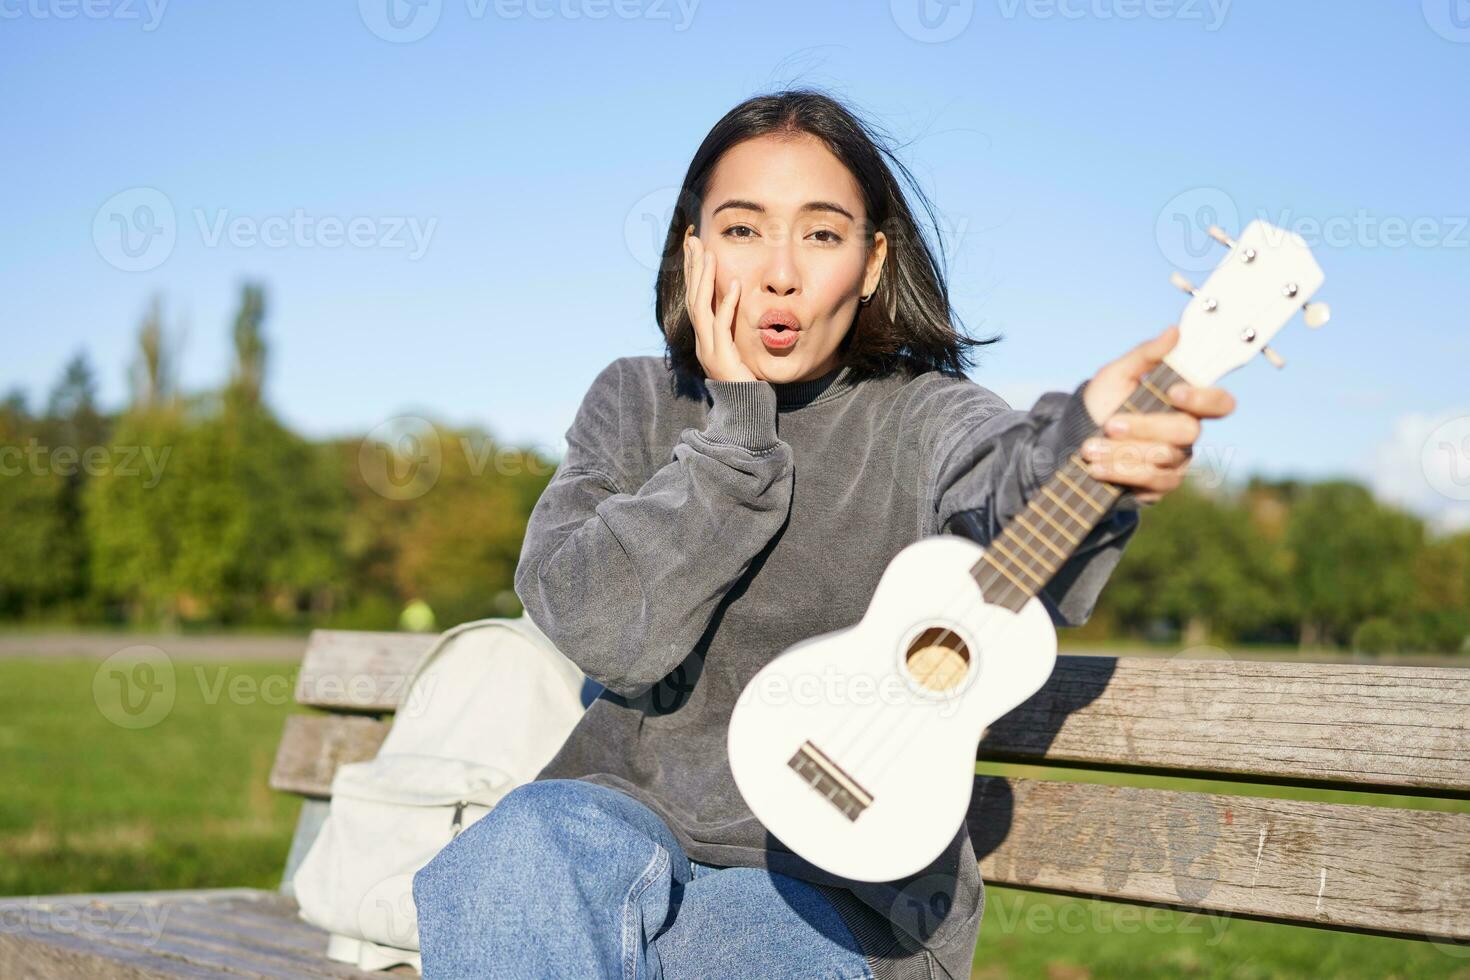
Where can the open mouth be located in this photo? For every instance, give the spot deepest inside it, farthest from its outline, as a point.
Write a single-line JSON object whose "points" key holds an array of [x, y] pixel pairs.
{"points": [[779, 329], [779, 339]]}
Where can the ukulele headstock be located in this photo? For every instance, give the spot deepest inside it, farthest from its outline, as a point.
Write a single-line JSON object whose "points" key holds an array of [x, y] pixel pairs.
{"points": [[1269, 275]]}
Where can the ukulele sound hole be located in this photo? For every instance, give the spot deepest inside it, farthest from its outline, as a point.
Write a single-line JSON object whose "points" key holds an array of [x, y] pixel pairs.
{"points": [[938, 659]]}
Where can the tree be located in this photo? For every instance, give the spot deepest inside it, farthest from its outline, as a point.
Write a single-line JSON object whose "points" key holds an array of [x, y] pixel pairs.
{"points": [[129, 514], [152, 374], [248, 377], [1438, 615], [1351, 558], [74, 431], [1196, 561], [129, 510], [462, 544], [71, 409], [260, 513], [245, 517], [38, 564]]}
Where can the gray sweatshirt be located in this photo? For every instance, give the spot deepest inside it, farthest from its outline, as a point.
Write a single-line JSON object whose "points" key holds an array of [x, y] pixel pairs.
{"points": [[695, 529]]}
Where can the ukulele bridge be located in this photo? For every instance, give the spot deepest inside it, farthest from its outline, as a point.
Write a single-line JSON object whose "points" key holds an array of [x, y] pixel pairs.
{"points": [[829, 779]]}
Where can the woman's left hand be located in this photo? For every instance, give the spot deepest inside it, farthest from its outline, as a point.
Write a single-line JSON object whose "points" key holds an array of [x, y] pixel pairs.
{"points": [[1147, 452]]}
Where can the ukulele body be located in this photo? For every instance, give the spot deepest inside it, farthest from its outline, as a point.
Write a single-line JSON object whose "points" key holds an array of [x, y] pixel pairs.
{"points": [[856, 748]]}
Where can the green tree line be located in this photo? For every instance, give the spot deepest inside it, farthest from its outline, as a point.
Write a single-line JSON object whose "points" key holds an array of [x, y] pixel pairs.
{"points": [[203, 510]]}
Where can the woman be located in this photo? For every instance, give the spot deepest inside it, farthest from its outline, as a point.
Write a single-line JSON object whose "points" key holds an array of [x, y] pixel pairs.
{"points": [[809, 419]]}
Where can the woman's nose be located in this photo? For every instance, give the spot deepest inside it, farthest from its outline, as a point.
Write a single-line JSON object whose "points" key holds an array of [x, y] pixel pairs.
{"points": [[781, 278]]}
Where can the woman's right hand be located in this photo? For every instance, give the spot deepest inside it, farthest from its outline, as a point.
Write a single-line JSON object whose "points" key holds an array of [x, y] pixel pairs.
{"points": [[714, 340]]}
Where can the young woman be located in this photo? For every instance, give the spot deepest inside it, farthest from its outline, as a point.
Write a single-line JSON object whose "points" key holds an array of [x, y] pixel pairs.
{"points": [[810, 418]]}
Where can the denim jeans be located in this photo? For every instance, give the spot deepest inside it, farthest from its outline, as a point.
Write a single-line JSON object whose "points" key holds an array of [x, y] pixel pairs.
{"points": [[568, 878]]}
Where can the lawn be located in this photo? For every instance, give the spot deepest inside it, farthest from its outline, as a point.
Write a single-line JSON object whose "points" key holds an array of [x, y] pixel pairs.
{"points": [[94, 806], [182, 802]]}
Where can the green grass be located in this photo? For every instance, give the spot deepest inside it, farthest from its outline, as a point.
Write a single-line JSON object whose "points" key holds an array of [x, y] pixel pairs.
{"points": [[91, 805]]}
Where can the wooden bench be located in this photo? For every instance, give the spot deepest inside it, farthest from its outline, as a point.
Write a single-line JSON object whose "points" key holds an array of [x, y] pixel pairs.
{"points": [[1377, 869]]}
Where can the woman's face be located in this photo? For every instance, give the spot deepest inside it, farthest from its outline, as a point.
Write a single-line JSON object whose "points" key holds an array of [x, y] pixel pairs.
{"points": [[786, 218]]}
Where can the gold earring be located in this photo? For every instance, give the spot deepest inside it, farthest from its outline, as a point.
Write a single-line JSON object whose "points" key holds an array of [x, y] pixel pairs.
{"points": [[864, 300]]}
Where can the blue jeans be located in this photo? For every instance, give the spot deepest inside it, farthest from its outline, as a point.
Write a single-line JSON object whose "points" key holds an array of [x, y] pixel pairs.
{"points": [[567, 878]]}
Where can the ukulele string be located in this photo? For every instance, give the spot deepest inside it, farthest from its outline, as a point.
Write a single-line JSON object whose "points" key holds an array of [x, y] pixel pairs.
{"points": [[877, 731], [965, 592], [896, 739], [896, 743], [884, 735], [891, 735]]}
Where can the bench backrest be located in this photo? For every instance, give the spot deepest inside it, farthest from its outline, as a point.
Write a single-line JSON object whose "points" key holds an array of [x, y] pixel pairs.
{"points": [[1387, 869]]}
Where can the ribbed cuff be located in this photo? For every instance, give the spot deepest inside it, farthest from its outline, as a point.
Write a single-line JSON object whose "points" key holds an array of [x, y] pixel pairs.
{"points": [[743, 414], [1063, 437]]}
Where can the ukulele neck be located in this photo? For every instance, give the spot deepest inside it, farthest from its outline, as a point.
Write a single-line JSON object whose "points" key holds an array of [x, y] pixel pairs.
{"points": [[1035, 543]]}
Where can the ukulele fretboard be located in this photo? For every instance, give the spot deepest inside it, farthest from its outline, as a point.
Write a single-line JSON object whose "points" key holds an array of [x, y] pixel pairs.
{"points": [[1038, 540]]}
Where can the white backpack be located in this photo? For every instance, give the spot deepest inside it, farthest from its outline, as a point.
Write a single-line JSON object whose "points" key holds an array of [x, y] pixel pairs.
{"points": [[487, 707]]}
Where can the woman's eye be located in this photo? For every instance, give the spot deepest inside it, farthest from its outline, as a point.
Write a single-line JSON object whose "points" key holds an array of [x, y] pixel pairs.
{"points": [[832, 236], [730, 232]]}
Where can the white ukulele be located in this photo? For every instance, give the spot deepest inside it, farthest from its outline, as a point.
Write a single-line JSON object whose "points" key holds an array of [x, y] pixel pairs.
{"points": [[856, 748]]}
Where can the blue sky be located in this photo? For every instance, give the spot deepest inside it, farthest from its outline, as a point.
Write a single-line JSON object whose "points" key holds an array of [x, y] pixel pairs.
{"points": [[450, 202]]}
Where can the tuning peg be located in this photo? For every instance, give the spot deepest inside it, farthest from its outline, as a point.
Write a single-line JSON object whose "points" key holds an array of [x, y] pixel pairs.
{"points": [[1218, 234], [1316, 314], [1277, 361], [1179, 282]]}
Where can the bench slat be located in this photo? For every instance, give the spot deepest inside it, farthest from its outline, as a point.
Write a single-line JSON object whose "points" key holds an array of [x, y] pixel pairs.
{"points": [[313, 746], [358, 670], [209, 933], [1367, 725], [1363, 724], [1377, 869], [67, 956]]}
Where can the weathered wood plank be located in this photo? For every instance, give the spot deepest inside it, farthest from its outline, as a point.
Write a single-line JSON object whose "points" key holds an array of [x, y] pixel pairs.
{"points": [[1362, 724], [1390, 727], [209, 933], [1381, 869], [313, 746], [1390, 870], [67, 956], [358, 670]]}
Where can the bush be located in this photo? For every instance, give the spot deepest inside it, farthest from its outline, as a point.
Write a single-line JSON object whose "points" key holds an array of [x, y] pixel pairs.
{"points": [[1376, 635]]}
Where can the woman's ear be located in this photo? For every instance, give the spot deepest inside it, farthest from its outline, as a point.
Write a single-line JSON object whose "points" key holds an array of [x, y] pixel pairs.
{"points": [[876, 256]]}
